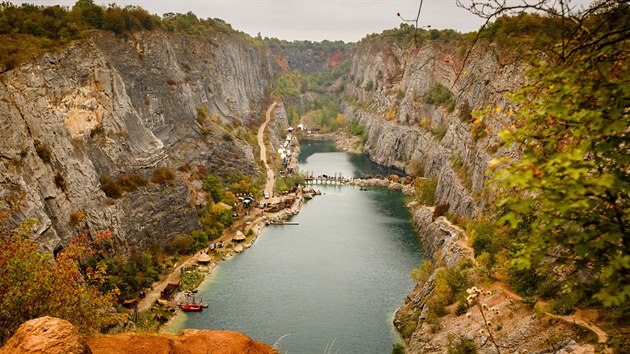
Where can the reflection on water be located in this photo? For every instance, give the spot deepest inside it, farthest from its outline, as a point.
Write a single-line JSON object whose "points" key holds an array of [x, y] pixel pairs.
{"points": [[321, 157]]}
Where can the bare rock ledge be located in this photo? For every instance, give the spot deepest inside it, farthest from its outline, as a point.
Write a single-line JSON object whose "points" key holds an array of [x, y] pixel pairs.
{"points": [[53, 335]]}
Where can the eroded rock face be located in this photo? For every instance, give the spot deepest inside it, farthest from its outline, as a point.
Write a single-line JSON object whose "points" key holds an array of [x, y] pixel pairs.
{"points": [[387, 84], [52, 335], [112, 105], [48, 335]]}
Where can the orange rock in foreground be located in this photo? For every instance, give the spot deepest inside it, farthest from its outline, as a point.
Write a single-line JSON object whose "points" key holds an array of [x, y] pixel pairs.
{"points": [[53, 335]]}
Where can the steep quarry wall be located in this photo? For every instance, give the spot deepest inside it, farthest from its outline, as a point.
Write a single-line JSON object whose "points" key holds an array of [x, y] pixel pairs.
{"points": [[111, 105], [308, 58], [385, 94], [388, 93]]}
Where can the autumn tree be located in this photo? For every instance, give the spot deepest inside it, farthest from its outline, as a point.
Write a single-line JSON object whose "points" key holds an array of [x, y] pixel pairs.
{"points": [[567, 196], [215, 218], [34, 284]]}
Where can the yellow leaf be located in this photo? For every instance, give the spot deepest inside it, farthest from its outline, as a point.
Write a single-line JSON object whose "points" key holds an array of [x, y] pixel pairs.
{"points": [[510, 111], [498, 109]]}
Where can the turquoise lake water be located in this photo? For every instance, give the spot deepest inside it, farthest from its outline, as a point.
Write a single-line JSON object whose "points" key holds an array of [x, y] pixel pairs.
{"points": [[335, 280]]}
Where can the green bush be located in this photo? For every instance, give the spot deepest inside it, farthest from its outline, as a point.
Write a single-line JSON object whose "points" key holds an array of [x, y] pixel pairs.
{"points": [[460, 345], [462, 171], [369, 86], [434, 320], [438, 131], [215, 219], [181, 244], [290, 182], [525, 281], [456, 279], [422, 273], [425, 190], [564, 305], [409, 326], [398, 349], [227, 136], [357, 129], [214, 186], [240, 183], [438, 95], [198, 240], [461, 308], [529, 302]]}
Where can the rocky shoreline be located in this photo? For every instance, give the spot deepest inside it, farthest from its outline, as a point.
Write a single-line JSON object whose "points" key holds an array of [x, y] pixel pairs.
{"points": [[406, 189]]}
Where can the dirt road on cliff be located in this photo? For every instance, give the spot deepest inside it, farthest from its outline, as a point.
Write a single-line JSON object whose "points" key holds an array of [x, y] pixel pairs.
{"points": [[263, 150], [154, 294]]}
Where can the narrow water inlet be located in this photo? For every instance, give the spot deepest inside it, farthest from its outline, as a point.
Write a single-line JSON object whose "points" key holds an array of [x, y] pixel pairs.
{"points": [[338, 275]]}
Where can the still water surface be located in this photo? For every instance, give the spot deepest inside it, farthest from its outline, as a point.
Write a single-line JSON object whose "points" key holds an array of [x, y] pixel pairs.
{"points": [[334, 279]]}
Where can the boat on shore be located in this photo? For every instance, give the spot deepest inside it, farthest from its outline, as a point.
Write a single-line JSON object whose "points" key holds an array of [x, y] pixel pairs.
{"points": [[191, 307]]}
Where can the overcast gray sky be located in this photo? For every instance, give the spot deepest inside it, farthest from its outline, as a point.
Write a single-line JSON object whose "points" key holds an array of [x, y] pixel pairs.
{"points": [[316, 20]]}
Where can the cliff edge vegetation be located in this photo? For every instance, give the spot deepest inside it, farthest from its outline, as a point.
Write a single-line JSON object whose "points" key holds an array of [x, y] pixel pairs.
{"points": [[553, 204]]}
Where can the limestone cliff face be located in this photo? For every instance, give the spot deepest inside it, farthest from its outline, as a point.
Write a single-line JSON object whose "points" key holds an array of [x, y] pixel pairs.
{"points": [[111, 105], [308, 58], [386, 94], [386, 88]]}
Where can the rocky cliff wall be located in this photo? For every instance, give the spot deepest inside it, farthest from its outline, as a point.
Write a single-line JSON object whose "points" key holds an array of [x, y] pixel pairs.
{"points": [[385, 94], [514, 326], [111, 105], [309, 58]]}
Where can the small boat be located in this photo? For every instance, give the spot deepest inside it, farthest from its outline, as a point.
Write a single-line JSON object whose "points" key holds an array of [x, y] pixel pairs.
{"points": [[191, 307]]}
